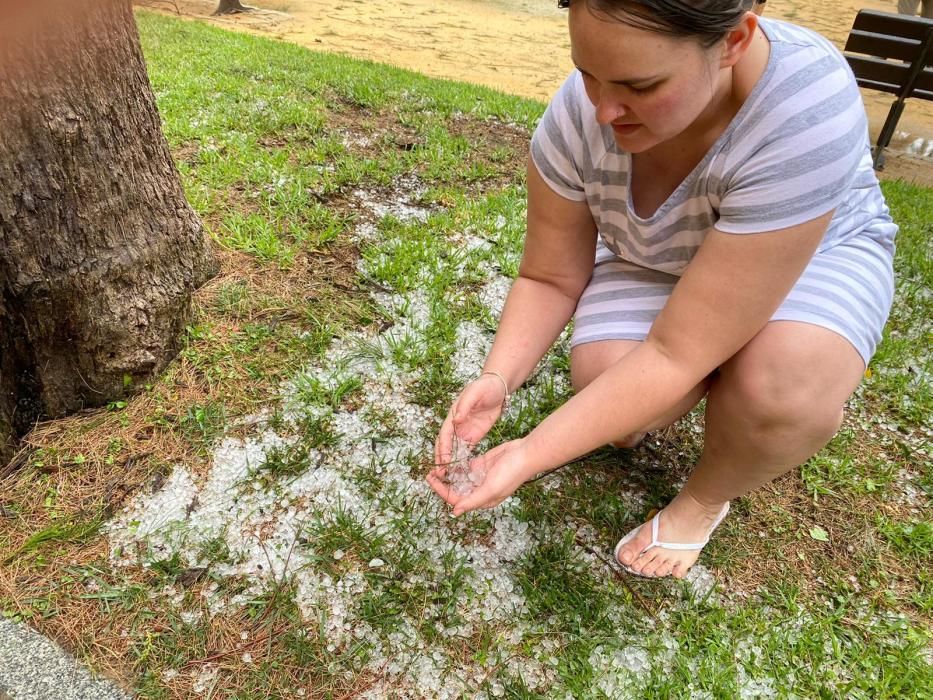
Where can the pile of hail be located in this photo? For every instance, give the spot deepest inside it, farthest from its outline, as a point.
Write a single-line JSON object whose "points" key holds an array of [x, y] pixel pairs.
{"points": [[464, 473]]}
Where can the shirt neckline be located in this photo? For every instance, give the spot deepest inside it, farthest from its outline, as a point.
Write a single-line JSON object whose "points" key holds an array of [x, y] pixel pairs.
{"points": [[740, 115]]}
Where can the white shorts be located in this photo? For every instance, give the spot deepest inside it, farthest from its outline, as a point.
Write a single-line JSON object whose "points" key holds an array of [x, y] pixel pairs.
{"points": [[847, 289]]}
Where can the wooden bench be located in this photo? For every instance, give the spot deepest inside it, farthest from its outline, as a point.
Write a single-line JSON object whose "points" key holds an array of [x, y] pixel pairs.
{"points": [[892, 53]]}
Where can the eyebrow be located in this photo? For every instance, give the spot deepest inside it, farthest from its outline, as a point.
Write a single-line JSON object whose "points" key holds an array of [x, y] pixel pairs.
{"points": [[628, 83]]}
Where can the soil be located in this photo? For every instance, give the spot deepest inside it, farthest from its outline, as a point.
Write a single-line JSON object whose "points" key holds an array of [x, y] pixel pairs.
{"points": [[521, 47]]}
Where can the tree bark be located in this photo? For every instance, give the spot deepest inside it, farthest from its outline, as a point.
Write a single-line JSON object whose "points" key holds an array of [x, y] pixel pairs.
{"points": [[229, 7], [99, 250]]}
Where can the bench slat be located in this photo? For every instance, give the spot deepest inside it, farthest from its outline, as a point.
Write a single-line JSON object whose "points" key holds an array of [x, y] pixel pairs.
{"points": [[881, 87], [878, 70], [883, 46], [918, 93], [887, 23], [877, 74]]}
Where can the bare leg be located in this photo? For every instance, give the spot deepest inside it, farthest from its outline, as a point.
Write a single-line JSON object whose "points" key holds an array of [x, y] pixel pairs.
{"points": [[773, 405], [589, 360]]}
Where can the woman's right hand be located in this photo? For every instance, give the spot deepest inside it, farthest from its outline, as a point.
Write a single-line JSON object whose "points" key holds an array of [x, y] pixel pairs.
{"points": [[471, 415], [504, 469]]}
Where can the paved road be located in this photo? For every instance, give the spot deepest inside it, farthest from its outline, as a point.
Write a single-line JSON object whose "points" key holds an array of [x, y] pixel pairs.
{"points": [[35, 668]]}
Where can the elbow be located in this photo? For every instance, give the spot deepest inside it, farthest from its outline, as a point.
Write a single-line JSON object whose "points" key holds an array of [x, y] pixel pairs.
{"points": [[677, 361], [567, 286], [662, 345]]}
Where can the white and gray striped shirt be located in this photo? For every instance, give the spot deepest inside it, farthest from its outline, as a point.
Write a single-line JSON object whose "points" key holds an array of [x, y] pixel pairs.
{"points": [[797, 148]]}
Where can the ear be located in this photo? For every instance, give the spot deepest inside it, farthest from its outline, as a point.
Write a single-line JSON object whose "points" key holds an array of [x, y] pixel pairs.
{"points": [[738, 40]]}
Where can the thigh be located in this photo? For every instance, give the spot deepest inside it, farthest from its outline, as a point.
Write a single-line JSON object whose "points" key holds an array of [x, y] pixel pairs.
{"points": [[589, 360], [794, 367], [847, 289], [621, 300], [614, 314]]}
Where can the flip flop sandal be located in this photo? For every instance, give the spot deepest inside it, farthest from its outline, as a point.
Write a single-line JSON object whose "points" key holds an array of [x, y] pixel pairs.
{"points": [[665, 545]]}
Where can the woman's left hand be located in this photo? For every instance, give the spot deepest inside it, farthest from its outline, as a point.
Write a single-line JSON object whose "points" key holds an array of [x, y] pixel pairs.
{"points": [[506, 468]]}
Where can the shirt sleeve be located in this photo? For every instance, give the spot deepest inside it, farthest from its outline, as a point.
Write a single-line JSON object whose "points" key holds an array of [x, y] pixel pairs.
{"points": [[558, 142], [805, 149]]}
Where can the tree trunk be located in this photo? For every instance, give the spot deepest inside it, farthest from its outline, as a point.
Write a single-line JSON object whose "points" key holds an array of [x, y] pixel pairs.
{"points": [[99, 251], [229, 7]]}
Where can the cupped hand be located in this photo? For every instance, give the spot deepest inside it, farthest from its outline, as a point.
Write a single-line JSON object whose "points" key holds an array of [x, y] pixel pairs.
{"points": [[505, 467], [471, 416]]}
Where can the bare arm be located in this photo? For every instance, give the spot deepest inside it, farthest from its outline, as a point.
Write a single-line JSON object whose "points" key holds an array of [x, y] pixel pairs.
{"points": [[557, 262], [730, 290], [556, 265]]}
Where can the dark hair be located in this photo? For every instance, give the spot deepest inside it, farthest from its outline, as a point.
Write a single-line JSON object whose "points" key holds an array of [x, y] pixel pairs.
{"points": [[706, 21]]}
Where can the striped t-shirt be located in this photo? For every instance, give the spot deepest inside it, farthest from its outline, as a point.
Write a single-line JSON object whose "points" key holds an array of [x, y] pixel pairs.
{"points": [[797, 148]]}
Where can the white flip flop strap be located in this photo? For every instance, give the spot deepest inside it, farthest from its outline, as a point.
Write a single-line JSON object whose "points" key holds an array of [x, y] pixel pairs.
{"points": [[655, 542], [677, 545]]}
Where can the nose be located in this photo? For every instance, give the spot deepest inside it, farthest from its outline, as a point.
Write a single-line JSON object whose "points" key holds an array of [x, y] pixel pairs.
{"points": [[608, 109]]}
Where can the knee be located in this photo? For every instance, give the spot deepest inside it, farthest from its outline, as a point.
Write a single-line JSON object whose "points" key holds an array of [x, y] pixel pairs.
{"points": [[589, 360], [774, 398]]}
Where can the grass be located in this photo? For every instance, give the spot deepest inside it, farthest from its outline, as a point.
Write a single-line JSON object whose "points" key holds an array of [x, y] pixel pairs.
{"points": [[367, 221]]}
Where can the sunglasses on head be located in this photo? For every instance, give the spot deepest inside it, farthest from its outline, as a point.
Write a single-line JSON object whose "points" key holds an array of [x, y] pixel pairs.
{"points": [[563, 3]]}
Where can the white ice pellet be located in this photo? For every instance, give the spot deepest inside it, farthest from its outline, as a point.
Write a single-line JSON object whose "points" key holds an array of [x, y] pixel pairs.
{"points": [[189, 617], [262, 518], [463, 473], [472, 347], [701, 580], [620, 673], [204, 678], [493, 294]]}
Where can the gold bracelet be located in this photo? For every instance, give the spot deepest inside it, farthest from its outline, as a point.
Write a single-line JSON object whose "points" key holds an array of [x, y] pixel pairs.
{"points": [[507, 401]]}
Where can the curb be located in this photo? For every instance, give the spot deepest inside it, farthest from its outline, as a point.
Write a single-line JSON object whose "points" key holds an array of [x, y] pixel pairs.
{"points": [[33, 667]]}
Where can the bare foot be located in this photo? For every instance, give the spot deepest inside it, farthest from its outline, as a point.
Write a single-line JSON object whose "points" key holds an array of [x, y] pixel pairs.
{"points": [[685, 521]]}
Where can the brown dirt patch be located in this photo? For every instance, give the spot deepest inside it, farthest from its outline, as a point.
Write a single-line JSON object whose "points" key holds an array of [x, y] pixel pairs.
{"points": [[496, 149], [72, 474]]}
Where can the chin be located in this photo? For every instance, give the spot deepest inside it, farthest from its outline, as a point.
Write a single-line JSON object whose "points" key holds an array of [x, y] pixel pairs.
{"points": [[636, 145]]}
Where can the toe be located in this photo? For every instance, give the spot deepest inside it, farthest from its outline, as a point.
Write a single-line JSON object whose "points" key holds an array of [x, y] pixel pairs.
{"points": [[651, 568], [645, 561], [657, 566], [686, 565], [627, 554], [635, 546]]}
